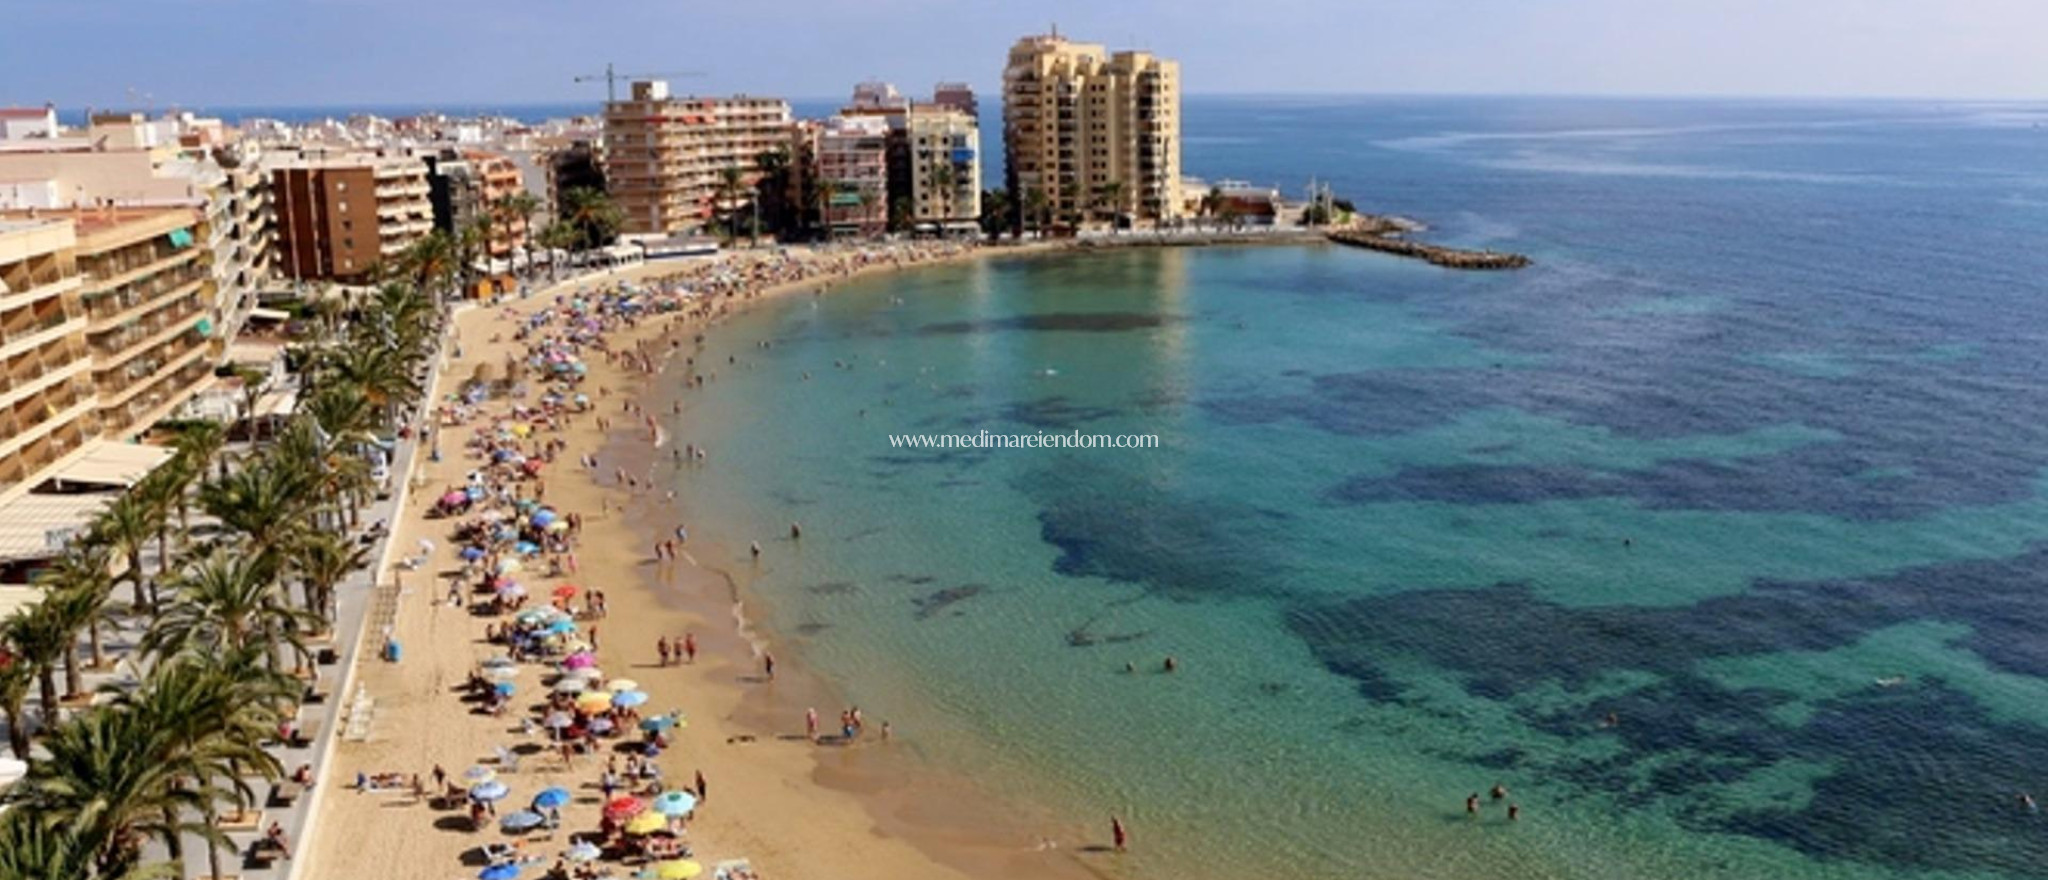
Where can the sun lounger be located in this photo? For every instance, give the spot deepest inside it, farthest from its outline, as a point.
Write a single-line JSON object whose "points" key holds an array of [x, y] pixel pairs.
{"points": [[286, 792], [305, 733]]}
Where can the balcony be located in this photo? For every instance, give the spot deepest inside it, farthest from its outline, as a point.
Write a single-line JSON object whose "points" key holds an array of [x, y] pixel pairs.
{"points": [[33, 370], [119, 346], [176, 382], [133, 299], [35, 452], [32, 327]]}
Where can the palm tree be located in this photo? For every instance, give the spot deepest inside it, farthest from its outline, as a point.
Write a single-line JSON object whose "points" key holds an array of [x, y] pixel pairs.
{"points": [[228, 602], [126, 526], [17, 678], [382, 372], [115, 778], [823, 194], [732, 184], [995, 212], [592, 214], [201, 443], [1111, 194], [558, 237], [944, 179], [1038, 207], [1213, 202], [322, 561], [162, 493], [254, 383], [41, 639], [79, 585], [264, 502], [33, 848], [516, 212]]}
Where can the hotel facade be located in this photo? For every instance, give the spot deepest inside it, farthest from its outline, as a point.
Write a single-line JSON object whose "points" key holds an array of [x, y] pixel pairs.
{"points": [[340, 219], [664, 154], [1097, 135]]}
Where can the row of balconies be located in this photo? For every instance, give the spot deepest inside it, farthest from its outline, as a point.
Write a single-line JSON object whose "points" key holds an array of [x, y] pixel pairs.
{"points": [[43, 363], [31, 325], [26, 459], [131, 373], [122, 302], [38, 409], [176, 382], [115, 346], [109, 267], [41, 270]]}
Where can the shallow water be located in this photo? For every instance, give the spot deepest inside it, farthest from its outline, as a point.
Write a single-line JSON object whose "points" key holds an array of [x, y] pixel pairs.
{"points": [[1761, 428]]}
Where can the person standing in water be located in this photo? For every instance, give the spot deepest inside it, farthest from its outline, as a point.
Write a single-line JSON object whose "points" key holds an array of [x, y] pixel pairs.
{"points": [[1120, 834], [768, 665]]}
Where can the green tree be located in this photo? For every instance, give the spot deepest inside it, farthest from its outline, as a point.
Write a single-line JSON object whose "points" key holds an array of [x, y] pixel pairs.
{"points": [[592, 214], [995, 212]]}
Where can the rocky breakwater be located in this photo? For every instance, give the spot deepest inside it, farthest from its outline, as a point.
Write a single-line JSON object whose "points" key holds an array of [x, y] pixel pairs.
{"points": [[1386, 236]]}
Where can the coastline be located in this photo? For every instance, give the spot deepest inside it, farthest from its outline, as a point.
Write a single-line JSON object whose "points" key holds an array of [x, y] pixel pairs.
{"points": [[798, 809]]}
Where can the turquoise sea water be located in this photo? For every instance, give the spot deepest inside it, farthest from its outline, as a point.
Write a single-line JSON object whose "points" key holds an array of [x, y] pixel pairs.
{"points": [[1751, 460]]}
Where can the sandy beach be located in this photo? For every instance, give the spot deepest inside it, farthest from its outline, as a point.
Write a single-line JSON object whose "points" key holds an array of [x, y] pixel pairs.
{"points": [[791, 807]]}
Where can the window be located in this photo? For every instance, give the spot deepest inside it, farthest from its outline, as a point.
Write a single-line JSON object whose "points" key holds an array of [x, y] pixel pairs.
{"points": [[348, 243], [341, 186], [347, 225], [341, 206]]}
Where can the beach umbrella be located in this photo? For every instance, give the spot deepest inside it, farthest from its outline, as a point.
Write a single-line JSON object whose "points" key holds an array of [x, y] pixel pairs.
{"points": [[629, 699], [646, 823], [509, 566], [624, 807], [659, 723], [560, 627], [584, 851], [542, 517], [678, 869], [584, 674], [501, 674], [524, 820], [600, 725], [501, 662], [489, 791], [472, 554], [594, 702], [623, 684], [526, 548], [506, 871], [479, 774], [531, 466], [558, 526], [579, 660], [541, 614], [504, 689], [548, 798], [558, 720], [565, 591], [675, 803], [453, 498], [575, 645], [571, 686], [511, 589]]}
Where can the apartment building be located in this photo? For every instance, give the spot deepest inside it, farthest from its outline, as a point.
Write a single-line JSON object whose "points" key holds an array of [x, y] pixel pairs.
{"points": [[148, 295], [665, 155], [27, 123], [853, 159], [1096, 135], [46, 392], [944, 166], [340, 219]]}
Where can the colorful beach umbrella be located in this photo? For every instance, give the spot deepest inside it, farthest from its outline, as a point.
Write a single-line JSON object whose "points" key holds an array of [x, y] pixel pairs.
{"points": [[571, 686], [560, 627], [501, 661], [630, 699], [624, 807], [601, 725], [646, 823], [584, 851], [479, 774], [509, 566], [622, 684], [659, 723], [506, 871], [559, 720], [675, 803], [549, 798], [565, 591], [580, 660], [678, 869], [594, 702], [472, 553], [524, 820], [489, 791], [584, 674], [504, 688], [511, 590]]}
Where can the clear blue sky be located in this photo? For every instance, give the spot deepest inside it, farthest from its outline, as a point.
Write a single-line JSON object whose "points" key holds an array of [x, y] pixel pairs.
{"points": [[214, 53]]}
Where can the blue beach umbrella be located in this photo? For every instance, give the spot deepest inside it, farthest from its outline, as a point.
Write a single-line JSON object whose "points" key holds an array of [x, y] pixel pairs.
{"points": [[658, 722], [472, 553], [542, 517], [505, 871], [561, 627], [674, 803], [629, 699], [527, 548], [489, 791], [550, 798], [504, 689], [524, 820]]}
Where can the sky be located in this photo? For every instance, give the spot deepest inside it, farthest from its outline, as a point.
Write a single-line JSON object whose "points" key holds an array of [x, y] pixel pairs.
{"points": [[200, 54]]}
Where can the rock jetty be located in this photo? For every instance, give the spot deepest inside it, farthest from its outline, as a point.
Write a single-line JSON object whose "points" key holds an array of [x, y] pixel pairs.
{"points": [[1384, 235]]}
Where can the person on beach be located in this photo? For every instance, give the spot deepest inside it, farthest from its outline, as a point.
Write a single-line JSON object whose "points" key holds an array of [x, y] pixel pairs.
{"points": [[768, 665], [690, 647], [811, 724], [1514, 812], [1499, 791], [661, 647], [1472, 804], [1119, 834]]}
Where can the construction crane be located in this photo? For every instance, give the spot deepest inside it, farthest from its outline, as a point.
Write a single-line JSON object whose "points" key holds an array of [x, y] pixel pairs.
{"points": [[611, 79]]}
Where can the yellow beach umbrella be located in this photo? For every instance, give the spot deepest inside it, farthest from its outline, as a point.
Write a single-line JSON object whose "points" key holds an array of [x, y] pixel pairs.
{"points": [[595, 701], [623, 684], [679, 869], [646, 823]]}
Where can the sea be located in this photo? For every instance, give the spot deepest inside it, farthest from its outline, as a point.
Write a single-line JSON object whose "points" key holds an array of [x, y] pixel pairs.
{"points": [[1718, 537]]}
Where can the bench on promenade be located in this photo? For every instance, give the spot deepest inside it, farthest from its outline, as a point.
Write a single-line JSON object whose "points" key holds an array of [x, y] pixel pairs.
{"points": [[286, 792]]}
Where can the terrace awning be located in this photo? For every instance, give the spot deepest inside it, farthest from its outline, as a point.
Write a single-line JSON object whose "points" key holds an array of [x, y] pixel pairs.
{"points": [[114, 464], [39, 526]]}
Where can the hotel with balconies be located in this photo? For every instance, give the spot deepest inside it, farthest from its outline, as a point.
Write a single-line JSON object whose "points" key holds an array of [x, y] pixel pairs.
{"points": [[664, 154], [1097, 135], [341, 219], [46, 391], [148, 299]]}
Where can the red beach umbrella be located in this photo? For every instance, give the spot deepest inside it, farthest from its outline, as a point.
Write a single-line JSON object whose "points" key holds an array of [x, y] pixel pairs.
{"points": [[624, 807]]}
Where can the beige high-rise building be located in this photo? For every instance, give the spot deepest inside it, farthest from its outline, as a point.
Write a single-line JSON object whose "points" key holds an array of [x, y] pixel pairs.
{"points": [[46, 396], [665, 155], [945, 167], [1098, 135]]}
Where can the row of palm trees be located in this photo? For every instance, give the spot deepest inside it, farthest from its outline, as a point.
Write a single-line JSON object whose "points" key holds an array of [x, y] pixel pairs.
{"points": [[224, 620]]}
